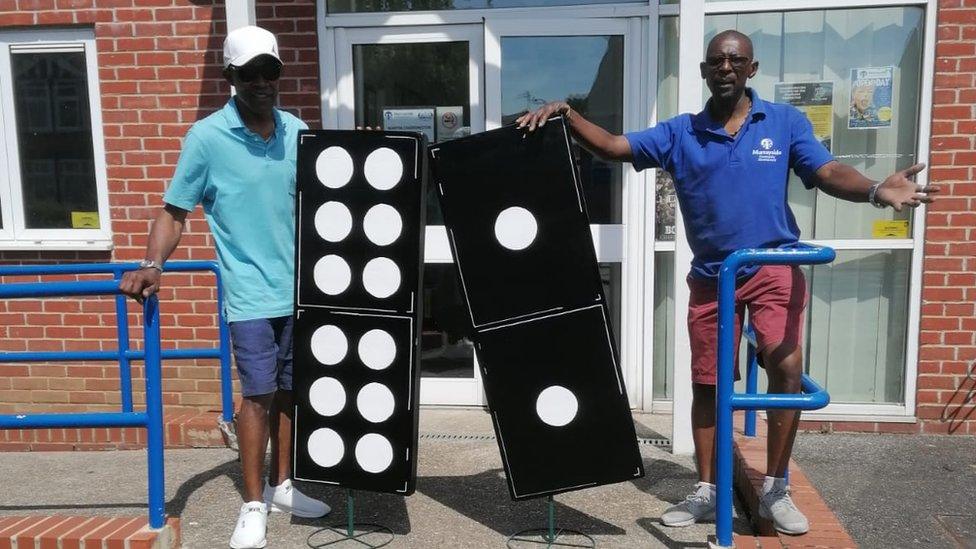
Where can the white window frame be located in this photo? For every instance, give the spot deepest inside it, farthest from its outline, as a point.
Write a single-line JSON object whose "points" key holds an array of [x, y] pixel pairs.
{"points": [[690, 91], [15, 235]]}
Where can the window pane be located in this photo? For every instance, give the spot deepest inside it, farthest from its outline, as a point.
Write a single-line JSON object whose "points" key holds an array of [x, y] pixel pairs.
{"points": [[585, 71], [431, 74], [826, 46], [349, 6], [858, 318], [667, 107], [858, 315], [611, 273], [54, 135], [663, 325]]}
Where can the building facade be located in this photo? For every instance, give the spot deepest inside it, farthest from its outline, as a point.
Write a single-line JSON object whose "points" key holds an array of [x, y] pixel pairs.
{"points": [[95, 96]]}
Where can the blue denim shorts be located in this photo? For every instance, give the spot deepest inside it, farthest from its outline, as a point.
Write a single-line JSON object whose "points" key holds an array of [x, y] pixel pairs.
{"points": [[262, 350]]}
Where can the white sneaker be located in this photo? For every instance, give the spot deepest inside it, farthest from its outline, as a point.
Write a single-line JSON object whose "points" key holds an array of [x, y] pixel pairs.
{"points": [[697, 507], [252, 525], [285, 498], [778, 506]]}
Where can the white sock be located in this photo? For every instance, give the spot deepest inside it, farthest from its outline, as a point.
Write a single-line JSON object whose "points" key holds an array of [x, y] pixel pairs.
{"points": [[711, 488], [773, 482]]}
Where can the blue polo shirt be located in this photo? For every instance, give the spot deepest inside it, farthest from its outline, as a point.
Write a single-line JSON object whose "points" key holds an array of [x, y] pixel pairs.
{"points": [[732, 191], [247, 188]]}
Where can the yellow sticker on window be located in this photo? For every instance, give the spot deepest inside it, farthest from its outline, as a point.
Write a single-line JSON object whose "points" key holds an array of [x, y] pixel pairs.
{"points": [[890, 229], [84, 220]]}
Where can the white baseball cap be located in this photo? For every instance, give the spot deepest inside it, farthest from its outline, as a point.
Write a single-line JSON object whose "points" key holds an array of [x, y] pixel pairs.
{"points": [[246, 43]]}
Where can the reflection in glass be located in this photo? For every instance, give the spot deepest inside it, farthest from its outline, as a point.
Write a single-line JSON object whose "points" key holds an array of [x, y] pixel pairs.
{"points": [[813, 46], [426, 74], [611, 274], [54, 136], [350, 6], [585, 71], [446, 348], [667, 107], [663, 325]]}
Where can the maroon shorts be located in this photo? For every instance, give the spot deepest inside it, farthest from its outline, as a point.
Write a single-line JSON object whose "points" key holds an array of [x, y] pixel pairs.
{"points": [[775, 296]]}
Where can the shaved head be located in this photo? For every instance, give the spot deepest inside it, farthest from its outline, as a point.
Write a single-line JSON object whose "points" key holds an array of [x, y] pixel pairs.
{"points": [[716, 45]]}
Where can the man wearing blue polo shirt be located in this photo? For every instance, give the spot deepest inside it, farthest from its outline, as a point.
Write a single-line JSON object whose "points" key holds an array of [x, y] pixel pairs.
{"points": [[730, 164], [239, 163]]}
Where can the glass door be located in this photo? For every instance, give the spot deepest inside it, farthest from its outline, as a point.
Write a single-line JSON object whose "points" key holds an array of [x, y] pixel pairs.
{"points": [[424, 79], [593, 64]]}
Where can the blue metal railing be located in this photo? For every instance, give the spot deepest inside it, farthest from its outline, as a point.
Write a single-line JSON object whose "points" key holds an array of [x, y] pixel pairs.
{"points": [[812, 396], [124, 355], [151, 419]]}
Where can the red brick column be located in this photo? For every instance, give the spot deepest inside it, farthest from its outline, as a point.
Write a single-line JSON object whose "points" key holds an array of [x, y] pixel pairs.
{"points": [[947, 356]]}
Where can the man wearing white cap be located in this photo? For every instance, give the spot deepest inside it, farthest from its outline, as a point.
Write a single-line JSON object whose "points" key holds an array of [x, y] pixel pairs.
{"points": [[239, 163]]}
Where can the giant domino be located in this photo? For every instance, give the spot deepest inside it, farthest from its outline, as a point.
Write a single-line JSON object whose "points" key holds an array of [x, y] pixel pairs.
{"points": [[517, 225], [358, 269]]}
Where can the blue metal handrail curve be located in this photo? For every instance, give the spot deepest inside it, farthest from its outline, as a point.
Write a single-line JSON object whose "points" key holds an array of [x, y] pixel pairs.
{"points": [[151, 419], [813, 396], [124, 354]]}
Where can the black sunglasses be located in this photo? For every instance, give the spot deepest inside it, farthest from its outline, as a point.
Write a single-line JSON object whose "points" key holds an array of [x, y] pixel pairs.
{"points": [[738, 62], [270, 71]]}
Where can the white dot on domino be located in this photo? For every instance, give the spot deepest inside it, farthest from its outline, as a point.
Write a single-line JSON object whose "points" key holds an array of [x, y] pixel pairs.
{"points": [[516, 228], [332, 274], [375, 402], [556, 406], [377, 349], [334, 167], [381, 277], [325, 447], [329, 345], [333, 221], [374, 453], [383, 169], [382, 224], [327, 396]]}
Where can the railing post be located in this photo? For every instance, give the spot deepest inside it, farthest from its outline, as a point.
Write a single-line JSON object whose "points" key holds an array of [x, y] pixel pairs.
{"points": [[725, 383], [125, 366], [154, 412], [226, 385]]}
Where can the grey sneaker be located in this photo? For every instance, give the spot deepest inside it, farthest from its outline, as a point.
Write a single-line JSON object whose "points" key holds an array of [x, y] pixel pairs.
{"points": [[697, 507], [778, 506]]}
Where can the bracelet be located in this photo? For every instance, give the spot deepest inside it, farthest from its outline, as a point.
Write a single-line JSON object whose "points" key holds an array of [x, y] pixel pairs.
{"points": [[872, 196]]}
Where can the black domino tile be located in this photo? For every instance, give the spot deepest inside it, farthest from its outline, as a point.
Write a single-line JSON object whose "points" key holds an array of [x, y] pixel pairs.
{"points": [[575, 351], [400, 429], [479, 176], [407, 198]]}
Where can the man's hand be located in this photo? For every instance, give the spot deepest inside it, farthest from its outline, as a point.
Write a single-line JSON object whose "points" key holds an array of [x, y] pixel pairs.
{"points": [[537, 118], [140, 284], [900, 190]]}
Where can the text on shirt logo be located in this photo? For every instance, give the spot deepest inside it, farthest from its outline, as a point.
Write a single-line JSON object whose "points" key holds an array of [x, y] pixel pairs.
{"points": [[767, 153]]}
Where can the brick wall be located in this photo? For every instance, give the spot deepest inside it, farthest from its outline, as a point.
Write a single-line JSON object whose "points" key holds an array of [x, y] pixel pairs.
{"points": [[160, 70], [947, 358]]}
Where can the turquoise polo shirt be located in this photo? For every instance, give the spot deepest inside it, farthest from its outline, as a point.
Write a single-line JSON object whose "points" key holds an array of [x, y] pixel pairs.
{"points": [[247, 188], [732, 190]]}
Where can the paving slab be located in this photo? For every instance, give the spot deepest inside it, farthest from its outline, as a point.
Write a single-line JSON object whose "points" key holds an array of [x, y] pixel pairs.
{"points": [[461, 499], [896, 490]]}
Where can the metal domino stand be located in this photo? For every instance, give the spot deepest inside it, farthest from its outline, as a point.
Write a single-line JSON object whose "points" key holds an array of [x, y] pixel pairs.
{"points": [[352, 531], [550, 535]]}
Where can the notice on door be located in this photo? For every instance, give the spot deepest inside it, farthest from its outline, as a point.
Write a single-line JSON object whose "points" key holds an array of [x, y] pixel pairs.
{"points": [[816, 101], [890, 229], [419, 119]]}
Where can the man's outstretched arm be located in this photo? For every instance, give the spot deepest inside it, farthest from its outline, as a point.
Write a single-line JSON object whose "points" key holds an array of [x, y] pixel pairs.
{"points": [[898, 190], [594, 138]]}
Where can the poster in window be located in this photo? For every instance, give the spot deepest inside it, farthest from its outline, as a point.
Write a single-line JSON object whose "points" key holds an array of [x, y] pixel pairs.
{"points": [[416, 119], [816, 101], [871, 98]]}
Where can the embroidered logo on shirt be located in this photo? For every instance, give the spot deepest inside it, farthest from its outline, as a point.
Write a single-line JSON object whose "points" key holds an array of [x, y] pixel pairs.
{"points": [[766, 153]]}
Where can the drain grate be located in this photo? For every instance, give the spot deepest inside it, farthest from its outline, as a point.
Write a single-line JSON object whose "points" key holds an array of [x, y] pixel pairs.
{"points": [[659, 442]]}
